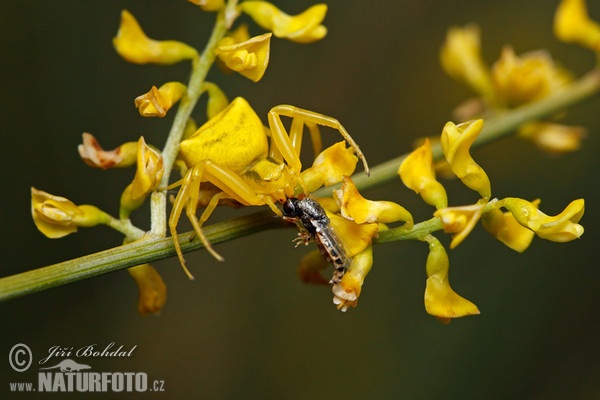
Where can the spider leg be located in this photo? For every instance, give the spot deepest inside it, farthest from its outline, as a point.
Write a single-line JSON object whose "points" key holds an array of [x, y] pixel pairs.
{"points": [[309, 118]]}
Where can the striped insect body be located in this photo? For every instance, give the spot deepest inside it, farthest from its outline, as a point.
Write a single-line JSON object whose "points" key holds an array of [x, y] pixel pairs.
{"points": [[314, 224]]}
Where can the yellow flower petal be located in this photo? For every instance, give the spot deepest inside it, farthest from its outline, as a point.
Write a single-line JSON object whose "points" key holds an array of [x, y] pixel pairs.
{"points": [[563, 227], [217, 100], [330, 166], [418, 174], [440, 300], [461, 59], [456, 143], [249, 58], [522, 79], [158, 101], [354, 237], [460, 220], [148, 174], [573, 25], [152, 289], [209, 5], [311, 266], [149, 170], [355, 207], [553, 138], [302, 28], [95, 156], [134, 46], [56, 216], [346, 293], [504, 227]]}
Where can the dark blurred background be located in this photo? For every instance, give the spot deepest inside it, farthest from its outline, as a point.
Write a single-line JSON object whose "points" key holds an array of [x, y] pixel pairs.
{"points": [[248, 328]]}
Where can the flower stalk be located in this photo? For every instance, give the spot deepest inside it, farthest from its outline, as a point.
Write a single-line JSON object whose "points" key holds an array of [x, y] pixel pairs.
{"points": [[200, 67]]}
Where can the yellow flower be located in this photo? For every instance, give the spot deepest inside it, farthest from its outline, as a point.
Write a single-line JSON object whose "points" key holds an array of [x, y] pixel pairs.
{"points": [[355, 237], [209, 5], [310, 267], [553, 138], [158, 101], [440, 300], [355, 207], [460, 220], [249, 58], [417, 173], [217, 100], [346, 293], [456, 143], [530, 77], [57, 216], [563, 227], [134, 46], [149, 171], [302, 28], [573, 25], [330, 166], [461, 59], [152, 289], [93, 155], [504, 227]]}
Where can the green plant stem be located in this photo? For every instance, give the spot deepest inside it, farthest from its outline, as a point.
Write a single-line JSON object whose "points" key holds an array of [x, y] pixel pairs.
{"points": [[417, 232], [125, 226], [131, 254], [200, 68], [152, 248]]}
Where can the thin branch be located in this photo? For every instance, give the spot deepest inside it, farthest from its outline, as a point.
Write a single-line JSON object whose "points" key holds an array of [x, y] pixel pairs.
{"points": [[129, 255]]}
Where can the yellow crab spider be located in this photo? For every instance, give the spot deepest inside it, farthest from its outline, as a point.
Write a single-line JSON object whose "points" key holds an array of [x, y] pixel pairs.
{"points": [[246, 162]]}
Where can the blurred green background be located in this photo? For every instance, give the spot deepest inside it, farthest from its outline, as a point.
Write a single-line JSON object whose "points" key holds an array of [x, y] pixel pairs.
{"points": [[248, 328]]}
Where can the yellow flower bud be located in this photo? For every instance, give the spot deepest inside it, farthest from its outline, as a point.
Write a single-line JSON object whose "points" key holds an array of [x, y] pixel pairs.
{"points": [[93, 155], [355, 207], [310, 268], [249, 58], [456, 143], [330, 166], [158, 101], [134, 46], [563, 227], [346, 293], [209, 5], [504, 227], [530, 77], [460, 220], [573, 25], [152, 289], [149, 171], [57, 216], [302, 28], [417, 173], [239, 35], [440, 300], [217, 100], [461, 59], [553, 138]]}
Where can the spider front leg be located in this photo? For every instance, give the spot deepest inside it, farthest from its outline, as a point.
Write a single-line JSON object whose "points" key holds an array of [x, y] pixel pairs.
{"points": [[289, 145], [232, 186]]}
